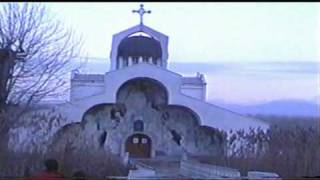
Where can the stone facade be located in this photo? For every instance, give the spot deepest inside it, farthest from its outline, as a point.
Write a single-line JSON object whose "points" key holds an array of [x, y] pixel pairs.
{"points": [[172, 129], [141, 107]]}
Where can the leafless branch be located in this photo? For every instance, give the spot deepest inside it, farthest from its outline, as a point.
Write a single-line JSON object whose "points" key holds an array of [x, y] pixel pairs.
{"points": [[36, 54]]}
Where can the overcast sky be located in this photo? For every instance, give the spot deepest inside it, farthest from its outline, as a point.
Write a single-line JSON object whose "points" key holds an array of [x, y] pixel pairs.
{"points": [[217, 33], [205, 31]]}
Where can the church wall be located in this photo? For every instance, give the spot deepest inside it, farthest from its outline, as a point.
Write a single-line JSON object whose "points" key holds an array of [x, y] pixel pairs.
{"points": [[173, 129], [94, 125], [193, 91], [83, 90], [215, 116], [209, 114]]}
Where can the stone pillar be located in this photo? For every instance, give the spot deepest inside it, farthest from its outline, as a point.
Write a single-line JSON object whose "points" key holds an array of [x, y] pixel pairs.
{"points": [[130, 61], [150, 60], [158, 62], [140, 60]]}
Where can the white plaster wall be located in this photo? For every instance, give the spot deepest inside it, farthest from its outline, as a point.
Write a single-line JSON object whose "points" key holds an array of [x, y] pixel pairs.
{"points": [[193, 91], [113, 81], [83, 90], [209, 114], [214, 116]]}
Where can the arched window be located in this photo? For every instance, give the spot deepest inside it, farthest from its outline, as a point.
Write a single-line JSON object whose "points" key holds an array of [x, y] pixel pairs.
{"points": [[154, 61], [135, 60], [145, 59], [125, 62], [138, 125]]}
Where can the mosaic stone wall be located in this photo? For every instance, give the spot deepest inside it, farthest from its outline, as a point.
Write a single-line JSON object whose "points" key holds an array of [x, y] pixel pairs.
{"points": [[173, 129]]}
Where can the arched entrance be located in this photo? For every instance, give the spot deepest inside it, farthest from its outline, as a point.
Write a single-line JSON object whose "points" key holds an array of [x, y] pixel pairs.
{"points": [[139, 146]]}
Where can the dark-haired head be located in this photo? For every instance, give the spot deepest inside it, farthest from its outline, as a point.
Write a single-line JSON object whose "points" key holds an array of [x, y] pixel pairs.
{"points": [[79, 175], [51, 165]]}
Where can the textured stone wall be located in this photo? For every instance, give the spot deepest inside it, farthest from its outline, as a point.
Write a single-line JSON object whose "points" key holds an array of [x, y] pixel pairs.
{"points": [[33, 131], [173, 129]]}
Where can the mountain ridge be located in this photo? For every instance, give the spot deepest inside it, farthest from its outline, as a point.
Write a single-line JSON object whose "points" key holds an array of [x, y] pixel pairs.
{"points": [[283, 107]]}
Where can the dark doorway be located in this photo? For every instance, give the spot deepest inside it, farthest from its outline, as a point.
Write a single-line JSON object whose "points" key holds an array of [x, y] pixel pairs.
{"points": [[138, 146]]}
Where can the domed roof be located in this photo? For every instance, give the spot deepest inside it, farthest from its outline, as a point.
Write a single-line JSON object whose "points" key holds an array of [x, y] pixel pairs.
{"points": [[137, 46]]}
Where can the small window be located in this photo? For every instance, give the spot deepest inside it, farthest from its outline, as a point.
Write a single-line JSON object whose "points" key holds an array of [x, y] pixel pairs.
{"points": [[144, 141], [135, 60], [135, 140], [138, 125]]}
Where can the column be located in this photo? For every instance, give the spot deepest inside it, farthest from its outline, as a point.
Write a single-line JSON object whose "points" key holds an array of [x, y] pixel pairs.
{"points": [[150, 60], [130, 61], [140, 60]]}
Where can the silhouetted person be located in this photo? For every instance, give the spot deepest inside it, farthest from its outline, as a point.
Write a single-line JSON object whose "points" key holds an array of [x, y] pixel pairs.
{"points": [[51, 172], [79, 175], [26, 173]]}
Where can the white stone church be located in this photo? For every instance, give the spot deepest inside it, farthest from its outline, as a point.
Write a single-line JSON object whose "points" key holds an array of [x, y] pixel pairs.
{"points": [[141, 107]]}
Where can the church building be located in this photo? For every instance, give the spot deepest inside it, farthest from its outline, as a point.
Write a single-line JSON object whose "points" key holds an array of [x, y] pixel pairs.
{"points": [[142, 108]]}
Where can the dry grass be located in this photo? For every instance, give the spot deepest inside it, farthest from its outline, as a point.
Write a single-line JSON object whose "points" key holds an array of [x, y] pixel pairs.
{"points": [[291, 150], [94, 164]]}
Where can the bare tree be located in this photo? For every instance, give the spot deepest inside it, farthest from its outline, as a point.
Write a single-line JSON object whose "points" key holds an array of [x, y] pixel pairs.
{"points": [[36, 52]]}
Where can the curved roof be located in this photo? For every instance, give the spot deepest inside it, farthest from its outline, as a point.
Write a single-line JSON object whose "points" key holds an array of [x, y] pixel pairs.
{"points": [[137, 46]]}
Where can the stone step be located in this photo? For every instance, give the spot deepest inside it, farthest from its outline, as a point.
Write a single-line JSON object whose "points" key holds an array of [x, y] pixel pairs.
{"points": [[163, 167]]}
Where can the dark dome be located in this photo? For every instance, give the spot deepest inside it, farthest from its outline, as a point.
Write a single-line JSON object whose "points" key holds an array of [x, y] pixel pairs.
{"points": [[136, 46]]}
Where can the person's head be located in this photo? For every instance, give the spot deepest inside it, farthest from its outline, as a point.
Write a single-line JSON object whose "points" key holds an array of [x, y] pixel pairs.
{"points": [[51, 165], [79, 175]]}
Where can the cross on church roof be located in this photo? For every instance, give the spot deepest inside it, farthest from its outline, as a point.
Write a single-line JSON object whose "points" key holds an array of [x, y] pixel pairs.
{"points": [[141, 12]]}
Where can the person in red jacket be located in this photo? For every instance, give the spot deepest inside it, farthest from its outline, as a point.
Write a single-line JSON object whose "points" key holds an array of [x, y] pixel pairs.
{"points": [[51, 172]]}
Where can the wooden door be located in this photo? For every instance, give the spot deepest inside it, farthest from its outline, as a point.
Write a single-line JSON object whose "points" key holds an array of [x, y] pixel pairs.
{"points": [[139, 146]]}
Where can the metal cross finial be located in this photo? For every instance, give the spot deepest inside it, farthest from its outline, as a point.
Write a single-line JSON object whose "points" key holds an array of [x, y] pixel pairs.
{"points": [[141, 12]]}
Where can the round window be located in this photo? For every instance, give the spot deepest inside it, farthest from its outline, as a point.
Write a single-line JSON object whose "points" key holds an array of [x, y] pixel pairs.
{"points": [[144, 140], [135, 140]]}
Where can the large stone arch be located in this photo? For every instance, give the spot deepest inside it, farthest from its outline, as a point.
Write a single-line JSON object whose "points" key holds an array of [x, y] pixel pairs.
{"points": [[64, 137], [110, 108], [115, 79], [195, 117], [164, 105], [154, 90], [103, 117]]}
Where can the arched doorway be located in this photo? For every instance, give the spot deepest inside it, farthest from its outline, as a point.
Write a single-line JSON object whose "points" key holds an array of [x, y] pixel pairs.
{"points": [[139, 146]]}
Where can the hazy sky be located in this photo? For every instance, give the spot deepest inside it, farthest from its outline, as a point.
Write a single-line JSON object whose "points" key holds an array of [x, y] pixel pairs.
{"points": [[205, 32], [227, 33]]}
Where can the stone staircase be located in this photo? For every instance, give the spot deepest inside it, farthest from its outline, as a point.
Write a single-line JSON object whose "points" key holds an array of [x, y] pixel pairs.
{"points": [[175, 168], [163, 167]]}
